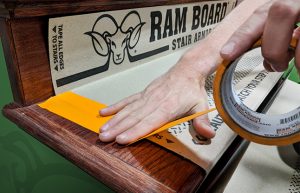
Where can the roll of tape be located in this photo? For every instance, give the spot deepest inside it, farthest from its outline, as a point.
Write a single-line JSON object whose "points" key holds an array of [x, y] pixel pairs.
{"points": [[283, 129]]}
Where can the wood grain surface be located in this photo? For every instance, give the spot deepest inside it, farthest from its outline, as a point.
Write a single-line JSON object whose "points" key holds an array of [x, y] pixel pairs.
{"points": [[141, 167], [34, 8], [26, 53]]}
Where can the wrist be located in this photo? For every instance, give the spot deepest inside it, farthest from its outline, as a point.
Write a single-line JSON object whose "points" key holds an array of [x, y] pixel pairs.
{"points": [[201, 60]]}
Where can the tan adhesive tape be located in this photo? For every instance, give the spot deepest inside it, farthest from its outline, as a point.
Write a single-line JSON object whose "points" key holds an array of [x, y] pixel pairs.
{"points": [[283, 129]]}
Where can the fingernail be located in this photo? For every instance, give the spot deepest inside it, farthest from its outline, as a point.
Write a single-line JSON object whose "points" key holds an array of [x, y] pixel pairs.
{"points": [[103, 111], [104, 128], [210, 130], [228, 48], [121, 138], [274, 69], [104, 135]]}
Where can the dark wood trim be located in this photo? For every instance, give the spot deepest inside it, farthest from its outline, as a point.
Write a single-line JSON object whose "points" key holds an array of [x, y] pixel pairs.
{"points": [[31, 48], [56, 8], [25, 49], [11, 60], [3, 11], [141, 167]]}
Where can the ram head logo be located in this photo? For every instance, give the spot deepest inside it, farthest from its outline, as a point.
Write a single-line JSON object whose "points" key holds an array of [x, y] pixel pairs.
{"points": [[110, 39]]}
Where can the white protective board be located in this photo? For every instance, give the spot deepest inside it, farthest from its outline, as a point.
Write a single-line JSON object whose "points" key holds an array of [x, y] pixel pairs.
{"points": [[84, 48], [273, 169], [110, 55], [182, 139]]}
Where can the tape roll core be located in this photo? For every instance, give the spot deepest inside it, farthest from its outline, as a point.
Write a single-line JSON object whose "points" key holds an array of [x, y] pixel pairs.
{"points": [[283, 129]]}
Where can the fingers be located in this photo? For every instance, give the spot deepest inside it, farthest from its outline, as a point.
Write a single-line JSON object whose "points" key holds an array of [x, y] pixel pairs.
{"points": [[296, 33], [128, 114], [137, 112], [297, 58], [246, 35], [164, 100], [113, 109], [111, 132], [150, 123], [127, 118], [202, 124], [275, 23], [278, 34], [268, 66], [134, 126]]}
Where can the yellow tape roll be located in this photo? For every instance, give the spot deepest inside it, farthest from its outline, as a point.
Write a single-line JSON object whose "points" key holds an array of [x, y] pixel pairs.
{"points": [[281, 129]]}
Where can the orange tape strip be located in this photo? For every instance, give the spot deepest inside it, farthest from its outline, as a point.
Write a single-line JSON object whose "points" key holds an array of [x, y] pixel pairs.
{"points": [[177, 122], [85, 112], [78, 109]]}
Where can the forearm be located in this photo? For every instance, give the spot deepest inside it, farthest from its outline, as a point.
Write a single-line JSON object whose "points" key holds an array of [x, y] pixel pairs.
{"points": [[203, 59]]}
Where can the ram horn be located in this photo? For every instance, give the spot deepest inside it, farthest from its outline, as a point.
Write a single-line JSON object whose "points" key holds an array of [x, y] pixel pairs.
{"points": [[106, 25], [132, 25]]}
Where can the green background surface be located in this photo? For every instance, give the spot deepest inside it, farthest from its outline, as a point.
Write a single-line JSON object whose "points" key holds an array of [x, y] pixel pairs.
{"points": [[294, 76], [28, 166]]}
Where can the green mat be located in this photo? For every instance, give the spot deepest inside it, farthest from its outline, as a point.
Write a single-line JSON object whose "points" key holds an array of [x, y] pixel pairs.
{"points": [[294, 76]]}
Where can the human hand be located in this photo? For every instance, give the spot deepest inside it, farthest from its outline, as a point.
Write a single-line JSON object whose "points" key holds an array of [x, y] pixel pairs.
{"points": [[177, 93], [180, 91], [274, 22]]}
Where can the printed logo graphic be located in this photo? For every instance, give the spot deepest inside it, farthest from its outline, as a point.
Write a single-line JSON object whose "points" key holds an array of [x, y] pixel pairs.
{"points": [[116, 40], [111, 39]]}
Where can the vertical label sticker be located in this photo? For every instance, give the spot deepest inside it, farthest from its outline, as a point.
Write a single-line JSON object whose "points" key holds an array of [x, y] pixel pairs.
{"points": [[57, 47]]}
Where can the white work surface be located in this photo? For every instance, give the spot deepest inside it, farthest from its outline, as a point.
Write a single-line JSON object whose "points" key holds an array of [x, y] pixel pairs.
{"points": [[182, 139], [261, 169]]}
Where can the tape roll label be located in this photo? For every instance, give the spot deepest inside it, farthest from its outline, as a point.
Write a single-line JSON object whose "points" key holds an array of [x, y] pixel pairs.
{"points": [[272, 126]]}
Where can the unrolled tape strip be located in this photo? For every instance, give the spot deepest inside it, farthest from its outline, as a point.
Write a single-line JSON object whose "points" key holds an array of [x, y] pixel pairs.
{"points": [[281, 129], [78, 109], [85, 112]]}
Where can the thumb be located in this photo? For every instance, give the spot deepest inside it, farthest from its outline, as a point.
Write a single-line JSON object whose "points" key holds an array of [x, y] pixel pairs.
{"points": [[202, 123], [245, 36], [296, 33]]}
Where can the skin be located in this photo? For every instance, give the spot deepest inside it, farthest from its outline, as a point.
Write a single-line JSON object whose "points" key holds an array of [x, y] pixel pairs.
{"points": [[275, 19], [181, 91]]}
